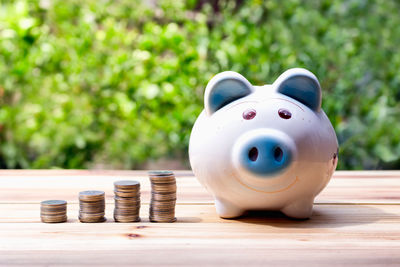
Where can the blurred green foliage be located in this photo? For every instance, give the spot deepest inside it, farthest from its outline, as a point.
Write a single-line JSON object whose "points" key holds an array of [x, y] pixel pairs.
{"points": [[118, 83]]}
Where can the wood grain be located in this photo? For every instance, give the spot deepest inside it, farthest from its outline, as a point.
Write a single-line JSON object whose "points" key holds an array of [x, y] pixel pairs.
{"points": [[345, 187], [356, 222]]}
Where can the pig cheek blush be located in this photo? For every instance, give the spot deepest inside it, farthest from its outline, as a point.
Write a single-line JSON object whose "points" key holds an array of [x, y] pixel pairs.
{"points": [[249, 114], [284, 113]]}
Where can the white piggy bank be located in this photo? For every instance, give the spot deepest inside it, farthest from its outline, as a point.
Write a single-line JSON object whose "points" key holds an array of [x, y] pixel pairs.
{"points": [[265, 147]]}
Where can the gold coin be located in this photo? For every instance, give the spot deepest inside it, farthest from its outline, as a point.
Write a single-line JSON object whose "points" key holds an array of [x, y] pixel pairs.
{"points": [[53, 211], [126, 200], [118, 206], [53, 219], [91, 195], [127, 184], [160, 173], [125, 194], [52, 203], [126, 219], [162, 220], [159, 197], [163, 196], [92, 220], [99, 210]]}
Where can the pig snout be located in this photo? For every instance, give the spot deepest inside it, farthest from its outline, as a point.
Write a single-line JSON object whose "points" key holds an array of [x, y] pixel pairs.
{"points": [[264, 153]]}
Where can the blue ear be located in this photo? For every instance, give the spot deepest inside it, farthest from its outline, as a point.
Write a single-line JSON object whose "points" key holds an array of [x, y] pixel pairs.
{"points": [[225, 88], [302, 85]]}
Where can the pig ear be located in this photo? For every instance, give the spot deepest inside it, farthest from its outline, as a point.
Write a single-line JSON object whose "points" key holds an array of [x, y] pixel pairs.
{"points": [[225, 88], [301, 85]]}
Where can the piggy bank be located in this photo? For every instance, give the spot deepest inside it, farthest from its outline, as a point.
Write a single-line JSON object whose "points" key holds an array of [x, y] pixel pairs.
{"points": [[267, 147]]}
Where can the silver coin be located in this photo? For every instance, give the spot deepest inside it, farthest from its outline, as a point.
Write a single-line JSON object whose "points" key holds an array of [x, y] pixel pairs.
{"points": [[53, 203]]}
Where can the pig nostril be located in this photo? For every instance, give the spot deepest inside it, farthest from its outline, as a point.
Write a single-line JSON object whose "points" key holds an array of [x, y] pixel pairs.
{"points": [[253, 154], [278, 154]]}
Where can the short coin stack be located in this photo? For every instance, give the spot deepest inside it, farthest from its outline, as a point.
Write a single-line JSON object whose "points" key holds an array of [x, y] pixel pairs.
{"points": [[127, 201], [53, 211], [91, 206], [163, 196]]}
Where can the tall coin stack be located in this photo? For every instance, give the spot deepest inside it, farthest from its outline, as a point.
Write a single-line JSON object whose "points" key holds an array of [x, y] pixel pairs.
{"points": [[91, 206], [163, 196], [53, 211], [127, 201]]}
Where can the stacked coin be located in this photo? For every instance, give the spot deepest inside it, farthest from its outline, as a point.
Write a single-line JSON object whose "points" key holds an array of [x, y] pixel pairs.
{"points": [[53, 211], [91, 206], [163, 196], [127, 201]]}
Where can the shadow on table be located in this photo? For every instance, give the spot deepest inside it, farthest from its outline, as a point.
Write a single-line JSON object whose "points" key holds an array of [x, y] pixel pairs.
{"points": [[332, 216], [180, 219]]}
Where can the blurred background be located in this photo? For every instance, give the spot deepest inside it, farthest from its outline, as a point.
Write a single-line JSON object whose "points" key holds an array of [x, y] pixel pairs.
{"points": [[118, 84]]}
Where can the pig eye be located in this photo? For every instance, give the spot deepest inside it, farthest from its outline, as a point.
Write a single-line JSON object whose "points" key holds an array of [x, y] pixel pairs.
{"points": [[284, 113], [249, 114]]}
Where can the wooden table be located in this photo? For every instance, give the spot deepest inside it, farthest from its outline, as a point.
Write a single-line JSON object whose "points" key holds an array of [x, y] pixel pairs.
{"points": [[356, 222]]}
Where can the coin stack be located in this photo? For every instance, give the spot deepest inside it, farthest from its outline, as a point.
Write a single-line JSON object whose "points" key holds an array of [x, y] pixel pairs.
{"points": [[53, 211], [91, 206], [163, 196], [127, 201]]}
